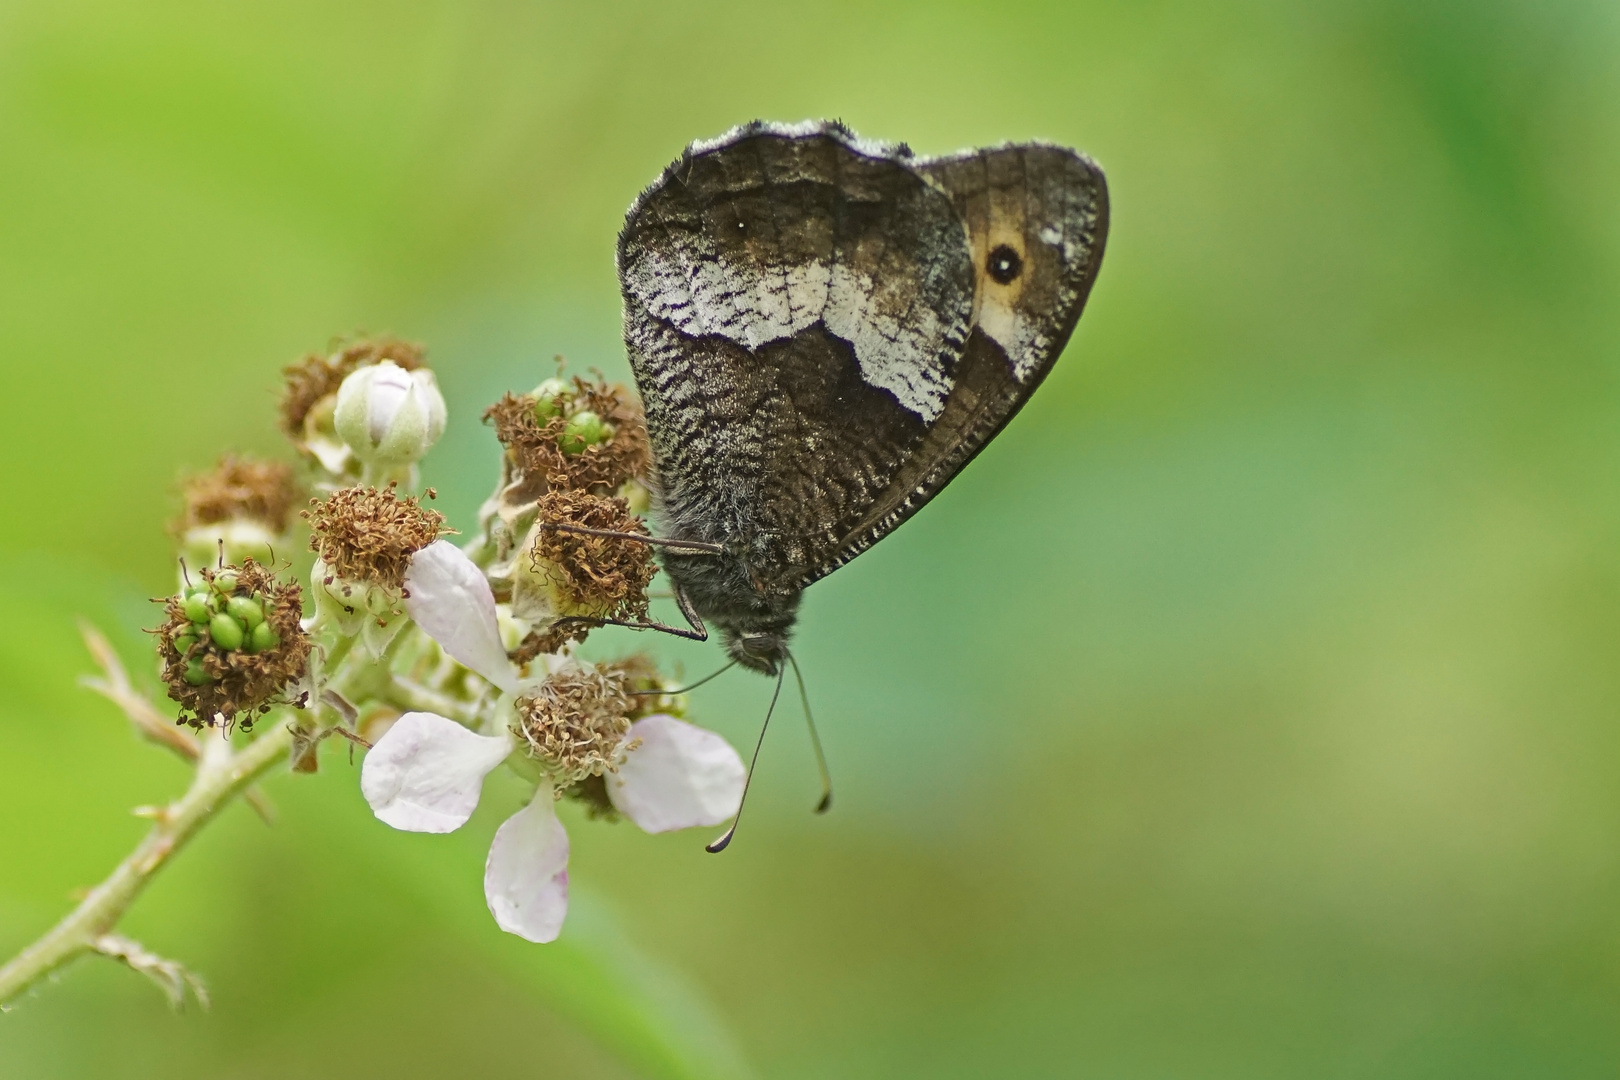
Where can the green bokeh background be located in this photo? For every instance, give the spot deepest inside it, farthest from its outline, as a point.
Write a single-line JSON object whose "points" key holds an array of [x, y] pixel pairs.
{"points": [[1248, 709]]}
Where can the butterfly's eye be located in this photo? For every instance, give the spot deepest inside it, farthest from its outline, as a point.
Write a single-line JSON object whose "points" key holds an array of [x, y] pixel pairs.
{"points": [[1004, 264]]}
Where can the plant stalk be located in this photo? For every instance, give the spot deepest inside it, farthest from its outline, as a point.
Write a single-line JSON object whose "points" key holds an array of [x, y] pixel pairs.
{"points": [[221, 776]]}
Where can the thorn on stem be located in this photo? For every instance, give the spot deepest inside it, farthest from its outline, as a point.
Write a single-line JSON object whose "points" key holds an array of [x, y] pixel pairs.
{"points": [[170, 975]]}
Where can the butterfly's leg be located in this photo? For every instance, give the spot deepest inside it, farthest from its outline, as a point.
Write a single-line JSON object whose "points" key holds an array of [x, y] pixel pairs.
{"points": [[698, 631], [699, 546]]}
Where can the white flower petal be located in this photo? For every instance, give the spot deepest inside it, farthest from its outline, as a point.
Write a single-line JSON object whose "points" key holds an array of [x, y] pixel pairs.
{"points": [[450, 600], [425, 773], [387, 391], [526, 877], [678, 777]]}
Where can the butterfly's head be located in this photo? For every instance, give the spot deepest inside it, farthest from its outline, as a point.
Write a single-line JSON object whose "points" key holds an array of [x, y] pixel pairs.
{"points": [[763, 651]]}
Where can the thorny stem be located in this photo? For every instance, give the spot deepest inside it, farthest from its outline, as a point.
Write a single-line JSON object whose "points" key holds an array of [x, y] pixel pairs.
{"points": [[221, 776]]}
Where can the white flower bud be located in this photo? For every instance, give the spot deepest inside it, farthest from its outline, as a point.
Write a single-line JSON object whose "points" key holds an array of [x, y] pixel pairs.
{"points": [[389, 416], [232, 542]]}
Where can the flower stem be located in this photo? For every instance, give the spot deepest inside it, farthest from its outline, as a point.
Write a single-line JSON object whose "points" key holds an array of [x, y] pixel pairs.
{"points": [[220, 778]]}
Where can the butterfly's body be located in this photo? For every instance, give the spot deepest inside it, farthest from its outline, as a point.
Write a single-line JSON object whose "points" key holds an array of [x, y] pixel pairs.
{"points": [[824, 332]]}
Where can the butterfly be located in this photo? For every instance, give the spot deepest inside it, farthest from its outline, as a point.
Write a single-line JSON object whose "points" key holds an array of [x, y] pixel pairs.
{"points": [[824, 331]]}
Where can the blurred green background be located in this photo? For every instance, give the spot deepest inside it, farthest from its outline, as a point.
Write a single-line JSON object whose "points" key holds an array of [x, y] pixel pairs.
{"points": [[1248, 709]]}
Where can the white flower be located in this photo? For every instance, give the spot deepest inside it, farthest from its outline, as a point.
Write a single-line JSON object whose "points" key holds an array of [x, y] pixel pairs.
{"points": [[526, 874], [390, 416], [678, 777], [425, 775], [449, 598]]}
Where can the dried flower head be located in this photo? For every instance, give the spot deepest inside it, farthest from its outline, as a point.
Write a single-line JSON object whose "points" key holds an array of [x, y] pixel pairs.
{"points": [[238, 488], [315, 378], [576, 722], [602, 574], [232, 644], [573, 574], [581, 435], [369, 534]]}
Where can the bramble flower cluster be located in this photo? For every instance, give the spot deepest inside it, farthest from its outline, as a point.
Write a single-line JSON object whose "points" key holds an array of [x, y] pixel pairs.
{"points": [[467, 658]]}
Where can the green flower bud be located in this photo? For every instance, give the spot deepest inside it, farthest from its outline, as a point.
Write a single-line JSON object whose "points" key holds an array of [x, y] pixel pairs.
{"points": [[389, 416], [584, 429], [226, 632], [244, 610], [545, 398], [196, 675], [197, 608], [262, 638]]}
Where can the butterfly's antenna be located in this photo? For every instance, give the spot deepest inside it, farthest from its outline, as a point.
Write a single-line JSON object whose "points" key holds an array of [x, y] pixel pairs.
{"points": [[815, 740], [720, 845], [684, 689]]}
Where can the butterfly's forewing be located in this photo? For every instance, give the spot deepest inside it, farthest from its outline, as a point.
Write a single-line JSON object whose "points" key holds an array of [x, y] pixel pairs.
{"points": [[817, 342], [794, 304]]}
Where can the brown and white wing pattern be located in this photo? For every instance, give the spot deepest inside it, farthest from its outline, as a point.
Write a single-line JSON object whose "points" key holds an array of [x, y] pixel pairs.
{"points": [[825, 330], [1037, 220]]}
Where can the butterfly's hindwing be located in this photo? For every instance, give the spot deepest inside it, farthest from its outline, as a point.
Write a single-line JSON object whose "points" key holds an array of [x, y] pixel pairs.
{"points": [[1049, 207]]}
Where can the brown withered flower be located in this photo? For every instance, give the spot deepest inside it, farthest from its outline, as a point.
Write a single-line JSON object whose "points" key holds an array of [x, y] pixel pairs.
{"points": [[547, 447], [569, 575], [603, 574], [239, 488], [368, 534], [231, 645]]}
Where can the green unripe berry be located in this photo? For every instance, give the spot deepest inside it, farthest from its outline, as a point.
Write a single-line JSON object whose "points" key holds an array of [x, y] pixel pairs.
{"points": [[584, 429], [195, 674], [184, 642], [245, 611], [545, 398], [261, 638], [196, 608], [225, 583], [226, 632]]}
